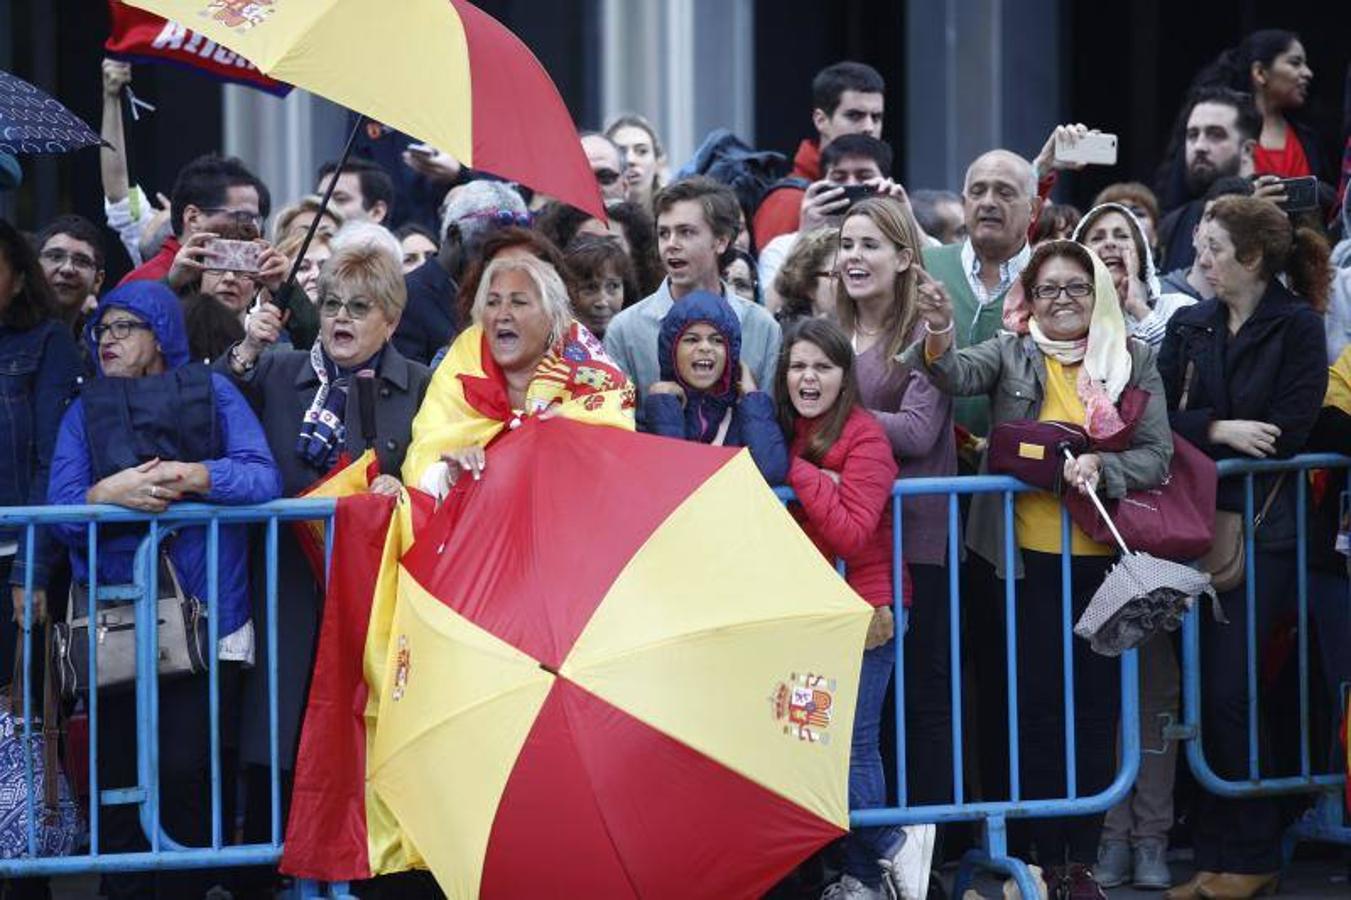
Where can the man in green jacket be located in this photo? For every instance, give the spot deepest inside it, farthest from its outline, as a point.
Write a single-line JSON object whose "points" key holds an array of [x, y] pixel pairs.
{"points": [[998, 198]]}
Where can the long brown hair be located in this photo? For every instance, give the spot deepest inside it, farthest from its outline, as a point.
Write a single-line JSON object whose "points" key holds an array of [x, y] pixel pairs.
{"points": [[826, 335], [897, 226]]}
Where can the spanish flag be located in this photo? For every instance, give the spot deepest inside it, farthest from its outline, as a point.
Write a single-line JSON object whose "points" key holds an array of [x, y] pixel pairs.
{"points": [[467, 403]]}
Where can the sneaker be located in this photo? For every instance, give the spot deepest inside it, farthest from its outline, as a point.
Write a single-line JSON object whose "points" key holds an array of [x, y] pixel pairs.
{"points": [[850, 888], [1151, 867], [905, 875], [1079, 883], [1114, 863]]}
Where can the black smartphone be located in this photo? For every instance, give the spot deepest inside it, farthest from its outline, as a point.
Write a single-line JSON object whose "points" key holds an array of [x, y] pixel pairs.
{"points": [[1301, 194], [856, 192]]}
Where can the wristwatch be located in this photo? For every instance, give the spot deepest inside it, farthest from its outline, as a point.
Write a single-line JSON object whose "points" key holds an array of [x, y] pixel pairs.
{"points": [[237, 362]]}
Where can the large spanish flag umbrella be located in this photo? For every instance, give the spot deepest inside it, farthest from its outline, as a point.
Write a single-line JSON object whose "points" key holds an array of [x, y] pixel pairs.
{"points": [[441, 70], [616, 668]]}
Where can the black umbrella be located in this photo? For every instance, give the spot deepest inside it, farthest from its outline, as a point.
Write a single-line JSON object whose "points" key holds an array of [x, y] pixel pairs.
{"points": [[31, 122]]}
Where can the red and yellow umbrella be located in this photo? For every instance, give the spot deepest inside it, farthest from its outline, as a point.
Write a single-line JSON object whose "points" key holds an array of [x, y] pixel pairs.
{"points": [[616, 668], [441, 70]]}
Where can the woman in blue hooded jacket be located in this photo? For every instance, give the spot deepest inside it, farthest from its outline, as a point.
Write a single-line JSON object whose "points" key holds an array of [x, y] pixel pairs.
{"points": [[706, 393], [152, 429]]}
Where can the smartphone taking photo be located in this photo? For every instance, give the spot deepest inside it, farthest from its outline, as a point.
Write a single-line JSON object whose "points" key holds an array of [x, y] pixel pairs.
{"points": [[1301, 194], [233, 256], [1093, 149]]}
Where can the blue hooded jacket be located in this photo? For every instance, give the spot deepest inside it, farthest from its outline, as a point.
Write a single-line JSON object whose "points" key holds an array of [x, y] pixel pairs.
{"points": [[753, 424], [241, 472]]}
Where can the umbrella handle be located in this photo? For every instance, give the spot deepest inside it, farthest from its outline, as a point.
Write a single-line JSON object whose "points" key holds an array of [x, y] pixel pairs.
{"points": [[1102, 510]]}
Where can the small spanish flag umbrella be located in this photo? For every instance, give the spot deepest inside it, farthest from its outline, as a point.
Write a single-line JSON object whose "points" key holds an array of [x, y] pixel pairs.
{"points": [[441, 70], [616, 668]]}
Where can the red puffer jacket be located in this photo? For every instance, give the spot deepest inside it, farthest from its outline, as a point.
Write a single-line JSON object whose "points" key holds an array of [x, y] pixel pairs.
{"points": [[852, 519]]}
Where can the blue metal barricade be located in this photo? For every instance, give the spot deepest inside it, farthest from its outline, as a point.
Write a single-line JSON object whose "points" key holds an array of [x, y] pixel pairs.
{"points": [[1324, 822], [164, 852], [993, 815]]}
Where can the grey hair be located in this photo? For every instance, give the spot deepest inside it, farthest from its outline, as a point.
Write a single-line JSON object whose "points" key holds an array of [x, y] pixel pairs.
{"points": [[367, 234], [553, 293], [1030, 185], [467, 200]]}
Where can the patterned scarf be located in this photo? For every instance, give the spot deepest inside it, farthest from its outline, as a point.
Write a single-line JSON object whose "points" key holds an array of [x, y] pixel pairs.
{"points": [[1106, 368], [323, 432]]}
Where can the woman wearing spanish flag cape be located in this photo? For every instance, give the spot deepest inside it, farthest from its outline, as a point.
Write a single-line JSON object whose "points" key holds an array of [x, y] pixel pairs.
{"points": [[524, 355]]}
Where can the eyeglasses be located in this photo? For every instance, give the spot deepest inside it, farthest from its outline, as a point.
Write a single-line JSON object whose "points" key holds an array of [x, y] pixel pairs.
{"points": [[503, 217], [242, 216], [357, 308], [1077, 290], [59, 258], [605, 177], [120, 330]]}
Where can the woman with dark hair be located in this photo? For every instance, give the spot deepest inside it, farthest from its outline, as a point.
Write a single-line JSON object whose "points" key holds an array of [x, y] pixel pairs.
{"points": [[640, 239], [1056, 222], [742, 276], [841, 469], [1065, 358], [1245, 378], [39, 369], [1272, 66], [605, 282], [418, 244]]}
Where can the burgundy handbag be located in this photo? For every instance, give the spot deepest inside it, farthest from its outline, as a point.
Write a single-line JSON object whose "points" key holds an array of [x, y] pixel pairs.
{"points": [[1175, 520], [1032, 451]]}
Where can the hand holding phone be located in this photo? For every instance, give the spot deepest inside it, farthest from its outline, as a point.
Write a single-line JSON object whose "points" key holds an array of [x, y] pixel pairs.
{"points": [[1095, 148], [1301, 194], [233, 256]]}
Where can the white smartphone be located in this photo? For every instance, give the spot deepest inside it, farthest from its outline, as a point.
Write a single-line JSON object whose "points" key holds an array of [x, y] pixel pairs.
{"points": [[1095, 149]]}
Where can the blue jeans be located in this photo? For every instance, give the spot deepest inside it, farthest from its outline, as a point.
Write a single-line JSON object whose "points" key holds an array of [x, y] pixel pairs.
{"points": [[867, 780]]}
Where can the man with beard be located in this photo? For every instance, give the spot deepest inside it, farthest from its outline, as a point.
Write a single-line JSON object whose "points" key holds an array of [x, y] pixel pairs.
{"points": [[70, 249], [1221, 132]]}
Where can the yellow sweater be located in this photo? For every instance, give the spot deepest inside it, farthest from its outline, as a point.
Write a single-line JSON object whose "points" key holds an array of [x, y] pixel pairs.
{"points": [[1037, 513]]}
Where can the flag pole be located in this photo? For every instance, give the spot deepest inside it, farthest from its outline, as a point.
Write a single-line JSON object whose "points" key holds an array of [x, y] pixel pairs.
{"points": [[304, 325]]}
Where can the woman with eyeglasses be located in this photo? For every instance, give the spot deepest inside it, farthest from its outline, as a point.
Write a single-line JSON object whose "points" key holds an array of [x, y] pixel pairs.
{"points": [[1066, 358], [154, 428], [312, 410]]}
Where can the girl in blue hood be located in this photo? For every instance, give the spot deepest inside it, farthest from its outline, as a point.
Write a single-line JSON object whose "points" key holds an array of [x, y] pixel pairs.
{"points": [[150, 430], [706, 393]]}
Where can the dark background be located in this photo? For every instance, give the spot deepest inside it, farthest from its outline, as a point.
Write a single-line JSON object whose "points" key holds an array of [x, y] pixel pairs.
{"points": [[1125, 69]]}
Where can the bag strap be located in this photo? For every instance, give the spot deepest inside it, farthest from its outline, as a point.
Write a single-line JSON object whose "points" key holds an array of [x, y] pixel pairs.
{"points": [[16, 682], [723, 426], [1266, 504], [1187, 384], [51, 728]]}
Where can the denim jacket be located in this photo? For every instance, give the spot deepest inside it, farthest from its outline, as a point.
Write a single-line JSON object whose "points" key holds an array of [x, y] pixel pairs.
{"points": [[39, 371]]}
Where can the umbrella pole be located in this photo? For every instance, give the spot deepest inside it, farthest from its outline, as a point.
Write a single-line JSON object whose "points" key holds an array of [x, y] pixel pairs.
{"points": [[287, 295], [1102, 511]]}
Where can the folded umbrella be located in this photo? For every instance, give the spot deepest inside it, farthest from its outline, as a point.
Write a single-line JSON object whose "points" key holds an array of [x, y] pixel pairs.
{"points": [[31, 122], [1140, 595]]}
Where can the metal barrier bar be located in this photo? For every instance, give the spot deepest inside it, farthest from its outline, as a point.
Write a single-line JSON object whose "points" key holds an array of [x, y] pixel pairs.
{"points": [[1324, 821], [164, 852]]}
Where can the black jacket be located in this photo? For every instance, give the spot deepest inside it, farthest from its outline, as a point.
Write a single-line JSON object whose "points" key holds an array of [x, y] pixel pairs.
{"points": [[429, 320], [1272, 370]]}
